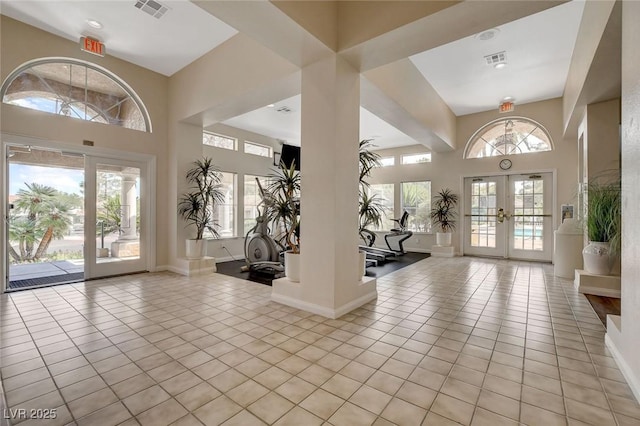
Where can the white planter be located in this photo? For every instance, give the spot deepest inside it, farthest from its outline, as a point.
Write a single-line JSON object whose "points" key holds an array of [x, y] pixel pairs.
{"points": [[363, 263], [596, 257], [292, 266], [443, 239], [196, 249]]}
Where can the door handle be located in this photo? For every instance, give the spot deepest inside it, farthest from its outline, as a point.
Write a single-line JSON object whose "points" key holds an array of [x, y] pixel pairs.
{"points": [[501, 215]]}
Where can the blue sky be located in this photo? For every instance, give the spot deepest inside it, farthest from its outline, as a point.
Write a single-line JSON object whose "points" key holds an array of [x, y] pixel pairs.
{"points": [[65, 180]]}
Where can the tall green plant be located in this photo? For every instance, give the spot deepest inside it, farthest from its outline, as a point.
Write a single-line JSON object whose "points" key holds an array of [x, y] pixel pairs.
{"points": [[443, 210], [370, 207], [283, 205], [197, 205], [603, 213]]}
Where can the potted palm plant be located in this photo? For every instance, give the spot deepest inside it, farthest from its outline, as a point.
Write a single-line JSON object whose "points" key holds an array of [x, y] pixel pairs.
{"points": [[196, 206], [443, 214], [603, 222], [370, 208], [283, 212]]}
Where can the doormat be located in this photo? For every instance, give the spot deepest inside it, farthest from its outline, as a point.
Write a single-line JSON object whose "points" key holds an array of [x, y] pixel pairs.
{"points": [[44, 281]]}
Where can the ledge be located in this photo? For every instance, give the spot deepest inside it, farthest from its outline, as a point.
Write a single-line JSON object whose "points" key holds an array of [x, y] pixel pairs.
{"points": [[600, 285]]}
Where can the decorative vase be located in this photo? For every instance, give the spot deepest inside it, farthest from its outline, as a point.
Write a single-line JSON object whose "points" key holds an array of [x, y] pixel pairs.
{"points": [[292, 266], [195, 249], [596, 257], [443, 239]]}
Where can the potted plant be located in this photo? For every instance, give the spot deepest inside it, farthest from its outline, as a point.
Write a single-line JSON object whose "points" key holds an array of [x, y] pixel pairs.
{"points": [[603, 225], [370, 208], [196, 206], [283, 210], [443, 214]]}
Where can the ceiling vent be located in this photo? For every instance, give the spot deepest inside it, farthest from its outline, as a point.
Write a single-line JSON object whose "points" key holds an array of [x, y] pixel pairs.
{"points": [[496, 58], [284, 109], [152, 7]]}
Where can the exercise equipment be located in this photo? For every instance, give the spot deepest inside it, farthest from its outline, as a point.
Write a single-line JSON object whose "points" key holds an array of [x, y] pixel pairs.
{"points": [[260, 250], [399, 235]]}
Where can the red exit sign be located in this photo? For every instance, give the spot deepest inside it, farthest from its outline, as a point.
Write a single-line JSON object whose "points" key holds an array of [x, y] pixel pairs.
{"points": [[506, 107], [92, 45]]}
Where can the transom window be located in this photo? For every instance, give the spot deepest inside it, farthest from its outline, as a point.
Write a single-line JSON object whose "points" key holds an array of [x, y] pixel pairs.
{"points": [[423, 157], [219, 141], [387, 161], [257, 149], [508, 136], [75, 89]]}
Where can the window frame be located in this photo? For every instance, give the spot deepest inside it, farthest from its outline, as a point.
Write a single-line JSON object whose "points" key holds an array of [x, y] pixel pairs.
{"points": [[477, 137], [89, 65], [234, 210], [417, 154], [413, 217], [391, 157], [389, 212], [219, 135], [258, 145]]}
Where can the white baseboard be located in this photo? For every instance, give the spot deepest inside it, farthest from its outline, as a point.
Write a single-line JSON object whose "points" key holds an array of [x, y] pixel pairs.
{"points": [[627, 372], [160, 268], [226, 259], [323, 310]]}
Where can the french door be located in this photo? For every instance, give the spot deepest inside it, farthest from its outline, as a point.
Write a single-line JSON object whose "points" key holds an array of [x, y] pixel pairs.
{"points": [[509, 216], [115, 217], [71, 216]]}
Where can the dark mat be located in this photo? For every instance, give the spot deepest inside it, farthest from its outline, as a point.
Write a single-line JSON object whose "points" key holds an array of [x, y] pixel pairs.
{"points": [[232, 268], [604, 306], [44, 281]]}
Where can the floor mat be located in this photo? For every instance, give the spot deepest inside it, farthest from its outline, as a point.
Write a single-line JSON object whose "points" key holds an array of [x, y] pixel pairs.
{"points": [[232, 268], [42, 281]]}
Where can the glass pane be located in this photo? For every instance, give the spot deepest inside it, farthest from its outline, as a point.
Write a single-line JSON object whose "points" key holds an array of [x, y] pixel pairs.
{"points": [[424, 157], [509, 136], [257, 149], [218, 141], [224, 213], [75, 90], [117, 213], [45, 218], [483, 207], [416, 200], [384, 193]]}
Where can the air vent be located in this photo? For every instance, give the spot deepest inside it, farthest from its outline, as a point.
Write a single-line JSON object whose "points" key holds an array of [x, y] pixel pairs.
{"points": [[152, 7], [284, 109], [496, 58]]}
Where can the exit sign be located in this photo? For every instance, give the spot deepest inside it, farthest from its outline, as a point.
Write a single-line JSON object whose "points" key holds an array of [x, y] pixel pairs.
{"points": [[92, 45], [506, 107]]}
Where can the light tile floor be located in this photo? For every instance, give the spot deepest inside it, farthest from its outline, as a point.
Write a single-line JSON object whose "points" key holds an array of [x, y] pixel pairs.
{"points": [[463, 340]]}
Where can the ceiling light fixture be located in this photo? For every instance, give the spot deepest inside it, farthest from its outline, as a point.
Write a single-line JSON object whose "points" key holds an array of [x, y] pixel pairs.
{"points": [[94, 24], [500, 65], [488, 34], [271, 106]]}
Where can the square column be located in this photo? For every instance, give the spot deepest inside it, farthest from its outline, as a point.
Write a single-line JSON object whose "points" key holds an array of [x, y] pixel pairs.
{"points": [[330, 284]]}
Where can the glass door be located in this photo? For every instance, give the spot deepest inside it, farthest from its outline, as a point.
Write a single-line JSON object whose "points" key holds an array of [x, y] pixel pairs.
{"points": [[530, 216], [115, 217], [45, 217], [484, 216], [509, 216]]}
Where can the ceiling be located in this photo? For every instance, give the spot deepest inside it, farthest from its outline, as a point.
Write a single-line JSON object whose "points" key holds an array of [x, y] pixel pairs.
{"points": [[538, 50], [166, 45]]}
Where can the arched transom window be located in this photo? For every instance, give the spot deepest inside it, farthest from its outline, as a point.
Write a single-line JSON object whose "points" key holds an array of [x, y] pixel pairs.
{"points": [[76, 89], [508, 136]]}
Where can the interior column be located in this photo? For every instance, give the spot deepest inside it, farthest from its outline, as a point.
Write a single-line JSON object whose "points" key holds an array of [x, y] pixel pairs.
{"points": [[330, 284]]}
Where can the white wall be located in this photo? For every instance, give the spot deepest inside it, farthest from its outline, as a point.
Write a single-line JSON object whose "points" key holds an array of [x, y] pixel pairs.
{"points": [[623, 336], [447, 169]]}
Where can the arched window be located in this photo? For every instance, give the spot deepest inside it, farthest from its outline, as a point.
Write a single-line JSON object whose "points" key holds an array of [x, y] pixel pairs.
{"points": [[75, 89], [508, 136]]}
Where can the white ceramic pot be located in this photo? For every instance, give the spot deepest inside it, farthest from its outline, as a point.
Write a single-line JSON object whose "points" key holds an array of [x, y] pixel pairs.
{"points": [[292, 266], [363, 263], [596, 257], [196, 249], [443, 239]]}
